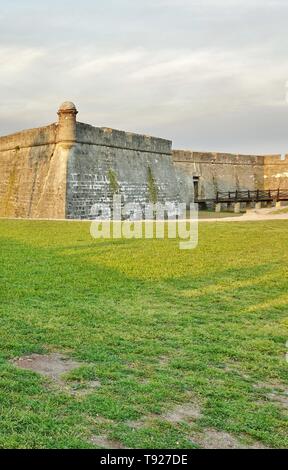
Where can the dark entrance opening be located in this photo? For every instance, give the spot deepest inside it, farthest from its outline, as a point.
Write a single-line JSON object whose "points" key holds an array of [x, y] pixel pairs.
{"points": [[196, 187]]}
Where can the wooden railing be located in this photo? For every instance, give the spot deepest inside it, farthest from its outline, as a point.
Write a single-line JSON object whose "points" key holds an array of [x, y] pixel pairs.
{"points": [[258, 195]]}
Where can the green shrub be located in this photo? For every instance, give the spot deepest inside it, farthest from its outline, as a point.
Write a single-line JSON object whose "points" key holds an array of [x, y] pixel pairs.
{"points": [[152, 188], [114, 185]]}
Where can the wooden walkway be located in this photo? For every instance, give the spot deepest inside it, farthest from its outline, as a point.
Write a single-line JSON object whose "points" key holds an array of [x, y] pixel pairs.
{"points": [[270, 195]]}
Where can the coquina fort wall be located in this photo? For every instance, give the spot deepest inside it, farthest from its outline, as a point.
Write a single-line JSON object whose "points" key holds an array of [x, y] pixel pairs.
{"points": [[62, 170], [276, 172], [214, 172], [33, 169]]}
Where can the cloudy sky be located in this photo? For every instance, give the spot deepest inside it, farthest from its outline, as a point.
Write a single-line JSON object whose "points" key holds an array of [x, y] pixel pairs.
{"points": [[208, 74]]}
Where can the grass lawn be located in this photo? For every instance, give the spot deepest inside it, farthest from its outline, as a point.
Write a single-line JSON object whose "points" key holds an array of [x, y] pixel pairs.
{"points": [[158, 327], [281, 211], [217, 215]]}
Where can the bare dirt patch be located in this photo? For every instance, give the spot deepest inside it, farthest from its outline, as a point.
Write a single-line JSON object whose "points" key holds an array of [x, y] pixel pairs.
{"points": [[273, 386], [187, 412], [208, 439], [104, 442], [275, 392], [163, 361], [54, 366], [281, 399], [214, 439], [51, 365], [137, 424], [234, 370], [82, 389]]}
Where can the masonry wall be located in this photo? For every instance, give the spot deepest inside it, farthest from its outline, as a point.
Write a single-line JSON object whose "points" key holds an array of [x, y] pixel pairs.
{"points": [[44, 177], [221, 171], [276, 172], [33, 174], [103, 157], [63, 170]]}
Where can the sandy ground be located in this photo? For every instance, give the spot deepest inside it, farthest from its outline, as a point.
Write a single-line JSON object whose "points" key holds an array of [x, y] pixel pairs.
{"points": [[254, 215]]}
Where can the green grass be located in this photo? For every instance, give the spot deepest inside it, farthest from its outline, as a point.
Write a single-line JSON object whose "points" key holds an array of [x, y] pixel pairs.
{"points": [[217, 315], [281, 211], [209, 214]]}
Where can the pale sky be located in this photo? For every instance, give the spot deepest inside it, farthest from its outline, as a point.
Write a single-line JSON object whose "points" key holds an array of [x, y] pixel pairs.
{"points": [[207, 74]]}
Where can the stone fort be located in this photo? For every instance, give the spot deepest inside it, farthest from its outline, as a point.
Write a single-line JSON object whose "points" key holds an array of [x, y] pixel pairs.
{"points": [[61, 170]]}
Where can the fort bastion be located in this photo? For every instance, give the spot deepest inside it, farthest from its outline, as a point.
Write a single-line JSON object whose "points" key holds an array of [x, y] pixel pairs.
{"points": [[61, 170]]}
